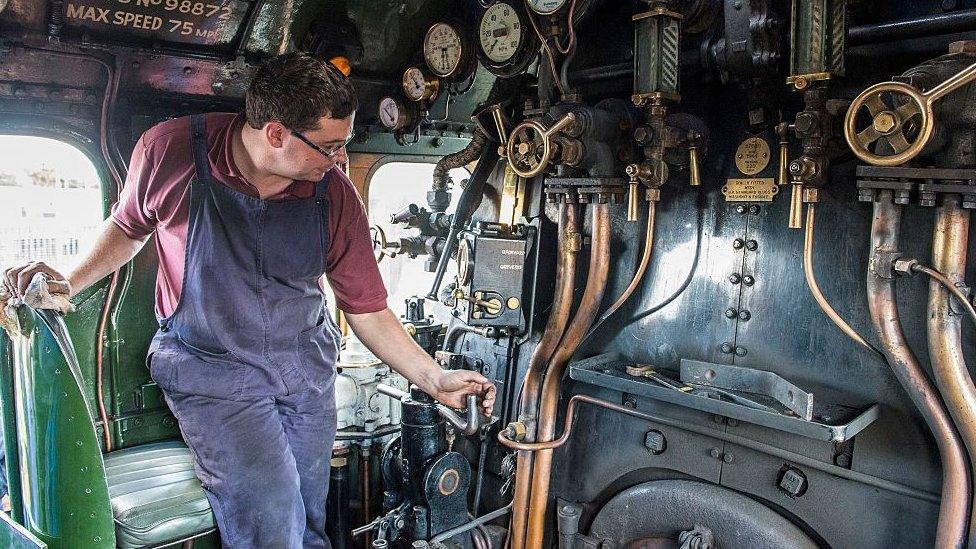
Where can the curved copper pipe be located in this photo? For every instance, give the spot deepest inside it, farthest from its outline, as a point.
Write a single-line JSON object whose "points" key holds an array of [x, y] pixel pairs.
{"points": [[949, 245], [641, 269], [948, 285], [596, 285], [562, 302], [956, 492], [815, 287]]}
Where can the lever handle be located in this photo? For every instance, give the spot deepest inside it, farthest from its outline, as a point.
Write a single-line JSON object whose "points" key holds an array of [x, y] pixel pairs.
{"points": [[796, 206], [694, 177], [467, 425]]}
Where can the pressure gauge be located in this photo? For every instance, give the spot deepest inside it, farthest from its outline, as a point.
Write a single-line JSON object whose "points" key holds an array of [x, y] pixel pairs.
{"points": [[546, 7], [500, 33], [393, 113], [444, 49], [418, 87], [506, 42]]}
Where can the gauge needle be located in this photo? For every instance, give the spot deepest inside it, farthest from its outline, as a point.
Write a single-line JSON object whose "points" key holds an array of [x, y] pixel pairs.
{"points": [[493, 44]]}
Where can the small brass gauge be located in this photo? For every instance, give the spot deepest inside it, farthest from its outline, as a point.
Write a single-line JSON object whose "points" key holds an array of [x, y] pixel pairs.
{"points": [[418, 87], [393, 113], [546, 7], [464, 263], [444, 49]]}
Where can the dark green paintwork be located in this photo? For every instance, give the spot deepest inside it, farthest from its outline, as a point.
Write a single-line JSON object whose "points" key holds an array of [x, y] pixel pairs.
{"points": [[65, 496], [10, 426], [15, 536]]}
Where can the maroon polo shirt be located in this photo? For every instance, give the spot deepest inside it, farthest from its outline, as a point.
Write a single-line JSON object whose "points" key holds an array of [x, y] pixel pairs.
{"points": [[156, 198]]}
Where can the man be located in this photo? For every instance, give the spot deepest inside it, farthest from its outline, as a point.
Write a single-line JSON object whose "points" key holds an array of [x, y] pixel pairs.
{"points": [[248, 213]]}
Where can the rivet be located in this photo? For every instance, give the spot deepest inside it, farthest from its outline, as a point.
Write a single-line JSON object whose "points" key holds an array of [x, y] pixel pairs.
{"points": [[752, 245], [748, 280], [738, 243], [741, 351], [730, 312], [735, 278], [728, 458], [715, 453], [744, 315]]}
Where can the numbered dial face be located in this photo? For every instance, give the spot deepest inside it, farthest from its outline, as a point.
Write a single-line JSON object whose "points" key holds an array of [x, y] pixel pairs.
{"points": [[546, 7], [417, 87], [391, 113], [500, 33], [443, 49]]}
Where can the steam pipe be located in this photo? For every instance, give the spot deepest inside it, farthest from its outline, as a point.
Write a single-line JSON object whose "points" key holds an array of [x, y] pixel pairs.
{"points": [[956, 488], [562, 302], [949, 246], [815, 287], [596, 285], [919, 27]]}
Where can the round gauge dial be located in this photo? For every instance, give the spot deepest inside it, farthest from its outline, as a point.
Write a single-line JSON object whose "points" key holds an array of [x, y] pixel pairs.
{"points": [[443, 49], [546, 7], [392, 113], [417, 86], [500, 33]]}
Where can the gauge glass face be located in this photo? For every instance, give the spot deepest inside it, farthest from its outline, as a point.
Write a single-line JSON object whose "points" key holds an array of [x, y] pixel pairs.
{"points": [[442, 49], [389, 112], [546, 7], [500, 33], [414, 84]]}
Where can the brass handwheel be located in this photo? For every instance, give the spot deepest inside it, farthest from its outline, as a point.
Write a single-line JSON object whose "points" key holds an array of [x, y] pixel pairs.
{"points": [[901, 118], [530, 149], [378, 236]]}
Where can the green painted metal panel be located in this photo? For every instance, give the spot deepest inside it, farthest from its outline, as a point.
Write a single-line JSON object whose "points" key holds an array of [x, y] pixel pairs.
{"points": [[62, 477], [15, 536], [10, 425]]}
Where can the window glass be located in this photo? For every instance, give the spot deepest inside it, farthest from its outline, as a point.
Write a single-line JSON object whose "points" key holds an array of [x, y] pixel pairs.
{"points": [[50, 202], [393, 187]]}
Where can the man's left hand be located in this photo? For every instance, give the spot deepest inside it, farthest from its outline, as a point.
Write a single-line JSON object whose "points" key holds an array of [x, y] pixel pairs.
{"points": [[453, 386]]}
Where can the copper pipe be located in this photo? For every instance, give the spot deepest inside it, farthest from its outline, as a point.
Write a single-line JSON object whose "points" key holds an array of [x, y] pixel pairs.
{"points": [[596, 285], [815, 287], [948, 285], [641, 269], [562, 302], [949, 245], [956, 493]]}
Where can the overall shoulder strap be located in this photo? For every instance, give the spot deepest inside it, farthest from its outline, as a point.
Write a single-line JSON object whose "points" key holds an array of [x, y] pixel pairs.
{"points": [[198, 141]]}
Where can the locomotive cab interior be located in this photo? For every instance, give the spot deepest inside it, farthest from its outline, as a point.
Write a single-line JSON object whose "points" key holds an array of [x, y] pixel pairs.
{"points": [[712, 254]]}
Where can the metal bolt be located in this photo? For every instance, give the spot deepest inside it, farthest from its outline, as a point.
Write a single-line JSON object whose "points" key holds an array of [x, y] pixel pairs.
{"points": [[884, 122], [733, 422], [843, 460], [718, 419], [727, 348], [436, 142], [755, 209], [728, 458], [187, 70], [735, 278], [715, 453], [741, 351], [741, 209], [656, 442], [630, 403], [744, 315], [730, 312], [738, 243], [752, 245], [748, 280]]}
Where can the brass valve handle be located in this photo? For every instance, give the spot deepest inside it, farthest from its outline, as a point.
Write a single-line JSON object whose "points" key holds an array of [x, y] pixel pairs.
{"points": [[530, 147], [493, 306], [888, 122]]}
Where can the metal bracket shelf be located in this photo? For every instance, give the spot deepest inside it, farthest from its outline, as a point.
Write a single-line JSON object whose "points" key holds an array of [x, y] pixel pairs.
{"points": [[831, 422]]}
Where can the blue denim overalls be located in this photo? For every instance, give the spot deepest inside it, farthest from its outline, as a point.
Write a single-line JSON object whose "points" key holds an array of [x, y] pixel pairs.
{"points": [[247, 360]]}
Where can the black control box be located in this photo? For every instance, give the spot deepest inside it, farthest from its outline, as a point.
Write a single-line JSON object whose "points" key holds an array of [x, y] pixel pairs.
{"points": [[493, 260]]}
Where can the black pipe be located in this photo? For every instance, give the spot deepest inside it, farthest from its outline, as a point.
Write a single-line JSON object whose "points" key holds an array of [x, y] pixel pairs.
{"points": [[918, 27], [467, 204], [338, 526]]}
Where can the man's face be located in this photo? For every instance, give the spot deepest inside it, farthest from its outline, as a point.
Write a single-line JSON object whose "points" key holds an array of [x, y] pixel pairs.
{"points": [[296, 159]]}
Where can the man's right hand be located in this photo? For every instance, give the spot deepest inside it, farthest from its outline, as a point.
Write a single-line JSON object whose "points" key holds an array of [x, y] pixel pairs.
{"points": [[16, 279]]}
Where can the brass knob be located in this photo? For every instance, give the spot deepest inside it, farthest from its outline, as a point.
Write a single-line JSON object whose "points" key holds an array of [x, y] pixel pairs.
{"points": [[694, 178]]}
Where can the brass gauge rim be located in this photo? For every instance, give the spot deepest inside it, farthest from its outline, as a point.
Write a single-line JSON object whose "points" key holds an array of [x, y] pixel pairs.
{"points": [[431, 86], [464, 262], [462, 47]]}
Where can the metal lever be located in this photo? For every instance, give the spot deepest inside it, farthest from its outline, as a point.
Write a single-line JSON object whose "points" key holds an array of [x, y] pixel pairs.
{"points": [[492, 307], [468, 425], [783, 130], [694, 175]]}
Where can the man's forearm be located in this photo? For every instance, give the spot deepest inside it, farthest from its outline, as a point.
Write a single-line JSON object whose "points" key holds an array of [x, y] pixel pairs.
{"points": [[112, 249], [383, 334]]}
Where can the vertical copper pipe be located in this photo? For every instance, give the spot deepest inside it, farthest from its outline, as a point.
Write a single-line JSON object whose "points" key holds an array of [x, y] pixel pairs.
{"points": [[642, 268], [815, 287], [954, 509], [950, 240], [589, 306], [562, 302]]}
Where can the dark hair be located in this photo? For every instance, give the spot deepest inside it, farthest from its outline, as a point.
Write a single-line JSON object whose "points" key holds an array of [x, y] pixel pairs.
{"points": [[297, 90]]}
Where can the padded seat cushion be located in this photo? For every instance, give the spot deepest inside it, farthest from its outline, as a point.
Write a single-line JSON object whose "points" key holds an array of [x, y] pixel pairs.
{"points": [[156, 497]]}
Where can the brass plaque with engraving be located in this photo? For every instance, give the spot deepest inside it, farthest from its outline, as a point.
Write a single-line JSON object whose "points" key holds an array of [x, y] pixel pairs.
{"points": [[750, 190], [752, 156]]}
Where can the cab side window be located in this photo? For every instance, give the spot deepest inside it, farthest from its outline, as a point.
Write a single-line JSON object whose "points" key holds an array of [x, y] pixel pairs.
{"points": [[393, 187], [50, 202]]}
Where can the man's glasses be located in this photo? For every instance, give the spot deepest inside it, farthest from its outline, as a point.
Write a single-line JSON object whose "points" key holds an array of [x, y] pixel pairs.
{"points": [[328, 153]]}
